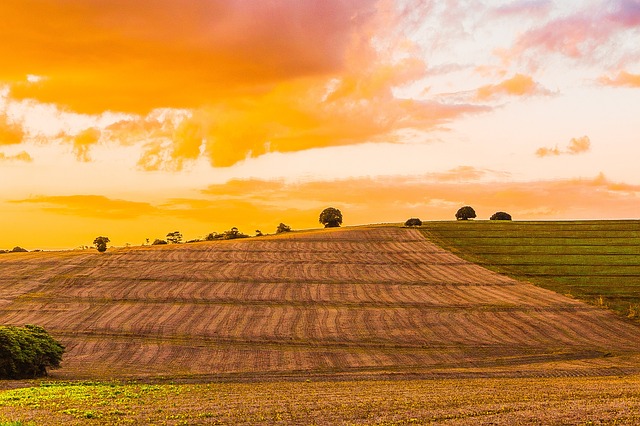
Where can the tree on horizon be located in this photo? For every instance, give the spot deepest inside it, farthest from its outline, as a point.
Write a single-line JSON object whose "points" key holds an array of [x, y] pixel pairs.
{"points": [[465, 213], [101, 243], [331, 217]]}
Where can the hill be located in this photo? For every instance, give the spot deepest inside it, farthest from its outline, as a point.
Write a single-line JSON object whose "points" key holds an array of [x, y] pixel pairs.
{"points": [[368, 301]]}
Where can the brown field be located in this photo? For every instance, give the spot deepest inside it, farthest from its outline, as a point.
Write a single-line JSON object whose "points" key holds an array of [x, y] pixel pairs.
{"points": [[479, 401], [349, 303]]}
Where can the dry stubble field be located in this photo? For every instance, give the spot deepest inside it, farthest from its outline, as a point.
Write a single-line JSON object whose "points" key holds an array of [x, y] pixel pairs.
{"points": [[356, 304]]}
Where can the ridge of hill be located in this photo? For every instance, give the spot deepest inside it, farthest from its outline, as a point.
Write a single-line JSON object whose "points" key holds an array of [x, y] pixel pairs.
{"points": [[350, 302]]}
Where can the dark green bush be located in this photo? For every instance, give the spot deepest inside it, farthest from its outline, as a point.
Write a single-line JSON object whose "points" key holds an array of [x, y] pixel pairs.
{"points": [[414, 221], [283, 228], [27, 352], [500, 216]]}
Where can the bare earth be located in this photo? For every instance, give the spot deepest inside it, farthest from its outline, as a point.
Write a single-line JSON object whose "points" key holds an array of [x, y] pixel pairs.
{"points": [[349, 303]]}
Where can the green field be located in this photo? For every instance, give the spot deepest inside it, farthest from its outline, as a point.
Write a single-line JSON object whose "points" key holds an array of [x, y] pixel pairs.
{"points": [[568, 400], [595, 261]]}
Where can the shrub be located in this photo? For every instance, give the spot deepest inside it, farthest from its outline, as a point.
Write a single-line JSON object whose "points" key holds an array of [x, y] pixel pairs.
{"points": [[331, 217], [283, 228], [27, 352], [500, 216], [158, 242], [213, 236], [18, 249], [465, 213], [414, 221], [174, 237], [233, 233]]}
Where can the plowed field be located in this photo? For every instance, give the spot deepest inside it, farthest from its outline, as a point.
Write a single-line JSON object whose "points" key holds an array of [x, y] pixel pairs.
{"points": [[378, 301]]}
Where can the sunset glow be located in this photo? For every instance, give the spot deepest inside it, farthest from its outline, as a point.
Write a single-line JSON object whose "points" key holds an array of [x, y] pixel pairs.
{"points": [[133, 119]]}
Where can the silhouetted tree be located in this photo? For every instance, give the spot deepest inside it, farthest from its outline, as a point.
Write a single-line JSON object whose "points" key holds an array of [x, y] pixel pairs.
{"points": [[234, 233], [414, 221], [331, 217], [101, 243], [283, 228], [27, 352], [18, 249], [259, 233], [465, 213], [500, 216], [158, 242], [212, 236], [174, 237]]}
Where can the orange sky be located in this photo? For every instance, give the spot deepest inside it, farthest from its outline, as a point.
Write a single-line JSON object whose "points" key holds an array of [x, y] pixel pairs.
{"points": [[134, 119]]}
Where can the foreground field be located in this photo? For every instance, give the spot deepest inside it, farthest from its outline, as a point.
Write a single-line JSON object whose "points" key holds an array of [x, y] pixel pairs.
{"points": [[596, 261], [365, 302], [604, 400]]}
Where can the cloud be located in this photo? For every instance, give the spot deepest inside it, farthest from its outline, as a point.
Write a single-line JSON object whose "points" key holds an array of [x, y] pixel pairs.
{"points": [[137, 56], [623, 79], [11, 133], [21, 156], [538, 8], [83, 141], [393, 198], [466, 174], [576, 146], [92, 206], [582, 34], [518, 85], [579, 145], [245, 78]]}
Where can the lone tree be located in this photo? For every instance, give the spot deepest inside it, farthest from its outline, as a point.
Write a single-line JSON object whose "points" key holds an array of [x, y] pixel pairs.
{"points": [[174, 237], [500, 216], [101, 243], [414, 221], [27, 352], [331, 218], [283, 228], [465, 213]]}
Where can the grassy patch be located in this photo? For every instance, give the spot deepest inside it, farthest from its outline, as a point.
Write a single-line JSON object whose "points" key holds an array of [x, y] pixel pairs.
{"points": [[466, 401], [596, 261]]}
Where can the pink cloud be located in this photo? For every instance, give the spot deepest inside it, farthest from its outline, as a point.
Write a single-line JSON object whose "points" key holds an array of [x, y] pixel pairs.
{"points": [[524, 7], [581, 34]]}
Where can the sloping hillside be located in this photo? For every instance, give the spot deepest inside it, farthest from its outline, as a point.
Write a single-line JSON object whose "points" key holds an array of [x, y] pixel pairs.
{"points": [[595, 261], [378, 300]]}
